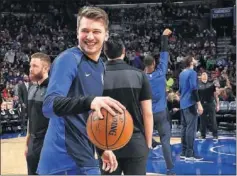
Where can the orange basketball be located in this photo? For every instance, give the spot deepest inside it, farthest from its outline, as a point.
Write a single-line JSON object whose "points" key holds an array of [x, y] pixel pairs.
{"points": [[111, 132]]}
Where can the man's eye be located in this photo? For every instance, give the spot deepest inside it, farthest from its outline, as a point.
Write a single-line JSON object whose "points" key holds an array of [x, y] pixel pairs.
{"points": [[96, 32]]}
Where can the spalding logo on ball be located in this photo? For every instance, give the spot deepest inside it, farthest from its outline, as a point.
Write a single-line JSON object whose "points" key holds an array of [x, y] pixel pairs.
{"points": [[111, 132]]}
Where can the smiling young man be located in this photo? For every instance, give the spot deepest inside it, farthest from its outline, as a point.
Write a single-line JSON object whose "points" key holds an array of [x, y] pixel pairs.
{"points": [[75, 88]]}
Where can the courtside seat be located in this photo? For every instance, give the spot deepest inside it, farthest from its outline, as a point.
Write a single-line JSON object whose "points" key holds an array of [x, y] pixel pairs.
{"points": [[232, 107], [224, 107]]}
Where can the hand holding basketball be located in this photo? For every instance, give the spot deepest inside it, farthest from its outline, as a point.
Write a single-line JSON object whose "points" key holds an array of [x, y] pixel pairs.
{"points": [[110, 132], [107, 103]]}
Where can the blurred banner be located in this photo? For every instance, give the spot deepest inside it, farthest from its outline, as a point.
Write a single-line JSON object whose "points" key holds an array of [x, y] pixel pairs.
{"points": [[222, 12]]}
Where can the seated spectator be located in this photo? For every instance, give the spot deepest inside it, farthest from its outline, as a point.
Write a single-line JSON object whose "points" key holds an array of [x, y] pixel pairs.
{"points": [[173, 105], [226, 94]]}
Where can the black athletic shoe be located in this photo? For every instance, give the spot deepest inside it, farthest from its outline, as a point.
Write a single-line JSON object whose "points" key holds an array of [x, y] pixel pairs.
{"points": [[182, 156], [155, 144], [170, 172]]}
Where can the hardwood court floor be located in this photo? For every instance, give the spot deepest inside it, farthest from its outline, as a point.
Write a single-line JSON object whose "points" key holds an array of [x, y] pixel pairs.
{"points": [[12, 156], [13, 159]]}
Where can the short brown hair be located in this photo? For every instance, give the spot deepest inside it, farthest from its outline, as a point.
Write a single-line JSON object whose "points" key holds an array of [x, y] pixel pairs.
{"points": [[42, 57], [187, 61], [148, 60], [95, 13]]}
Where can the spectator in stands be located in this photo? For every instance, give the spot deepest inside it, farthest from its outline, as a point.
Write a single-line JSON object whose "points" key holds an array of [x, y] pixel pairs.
{"points": [[169, 81], [224, 80], [226, 94], [1, 100], [10, 56], [137, 62], [5, 93], [22, 96]]}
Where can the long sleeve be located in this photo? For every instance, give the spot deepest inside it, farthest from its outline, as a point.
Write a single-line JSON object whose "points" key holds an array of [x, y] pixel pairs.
{"points": [[20, 93], [193, 80], [56, 103], [162, 67], [194, 86]]}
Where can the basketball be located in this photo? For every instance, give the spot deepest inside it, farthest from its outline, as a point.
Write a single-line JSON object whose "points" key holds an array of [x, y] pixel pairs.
{"points": [[111, 132]]}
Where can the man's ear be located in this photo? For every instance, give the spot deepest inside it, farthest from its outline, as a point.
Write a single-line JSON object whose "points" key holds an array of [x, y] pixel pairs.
{"points": [[107, 36], [77, 35]]}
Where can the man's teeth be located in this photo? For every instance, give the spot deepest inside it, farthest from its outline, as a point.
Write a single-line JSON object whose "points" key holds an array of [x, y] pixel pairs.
{"points": [[90, 44]]}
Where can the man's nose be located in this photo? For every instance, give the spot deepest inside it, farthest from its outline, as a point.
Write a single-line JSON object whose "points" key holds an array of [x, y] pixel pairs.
{"points": [[90, 36]]}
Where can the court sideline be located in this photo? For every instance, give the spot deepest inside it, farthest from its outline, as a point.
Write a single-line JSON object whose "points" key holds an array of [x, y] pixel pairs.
{"points": [[13, 159]]}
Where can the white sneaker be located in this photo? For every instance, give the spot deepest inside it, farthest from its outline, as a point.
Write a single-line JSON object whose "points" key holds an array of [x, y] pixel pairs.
{"points": [[215, 140], [156, 147], [198, 134]]}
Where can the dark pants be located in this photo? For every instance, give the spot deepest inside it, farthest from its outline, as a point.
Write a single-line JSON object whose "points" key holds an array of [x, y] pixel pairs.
{"points": [[208, 117], [129, 166], [162, 123], [23, 115], [132, 158], [34, 148], [189, 119], [22, 112]]}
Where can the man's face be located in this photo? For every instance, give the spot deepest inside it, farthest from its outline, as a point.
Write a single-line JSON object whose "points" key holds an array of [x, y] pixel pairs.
{"points": [[36, 69], [26, 78], [194, 62], [91, 35], [204, 77]]}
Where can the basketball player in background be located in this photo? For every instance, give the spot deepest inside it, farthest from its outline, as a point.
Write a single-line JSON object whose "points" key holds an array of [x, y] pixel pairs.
{"points": [[37, 122], [75, 88], [156, 74], [191, 108], [129, 86]]}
